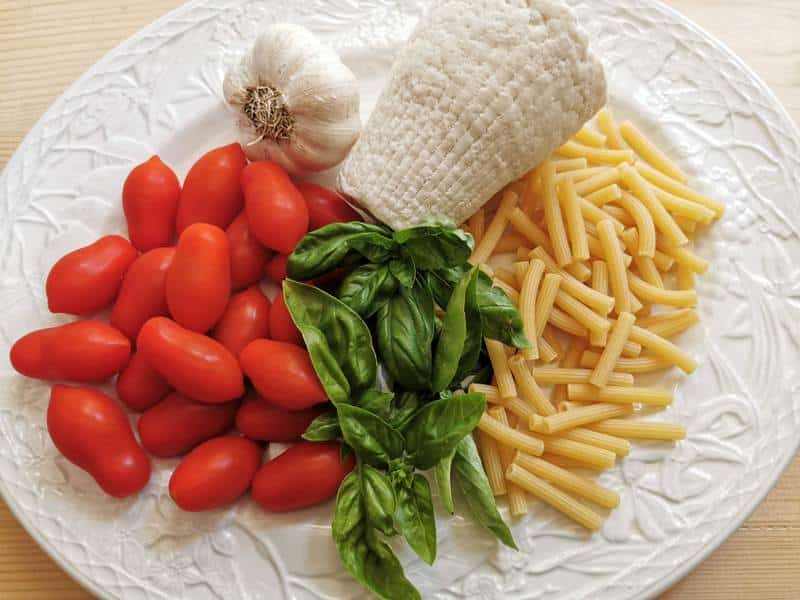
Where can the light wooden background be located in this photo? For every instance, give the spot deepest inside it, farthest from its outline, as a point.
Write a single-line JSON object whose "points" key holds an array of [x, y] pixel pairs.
{"points": [[47, 44]]}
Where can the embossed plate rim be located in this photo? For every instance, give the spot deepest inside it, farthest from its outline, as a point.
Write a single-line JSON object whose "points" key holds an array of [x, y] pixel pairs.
{"points": [[657, 586]]}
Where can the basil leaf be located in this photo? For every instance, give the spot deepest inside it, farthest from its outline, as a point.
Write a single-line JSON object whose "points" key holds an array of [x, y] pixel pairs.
{"points": [[474, 485], [404, 271], [367, 558], [450, 350], [379, 499], [435, 246], [324, 428], [375, 401], [415, 518], [347, 337], [402, 410], [444, 483], [500, 319], [373, 439], [439, 426], [405, 327], [367, 288], [328, 247]]}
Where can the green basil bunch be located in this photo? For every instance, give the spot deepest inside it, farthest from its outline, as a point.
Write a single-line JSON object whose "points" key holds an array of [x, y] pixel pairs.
{"points": [[427, 310]]}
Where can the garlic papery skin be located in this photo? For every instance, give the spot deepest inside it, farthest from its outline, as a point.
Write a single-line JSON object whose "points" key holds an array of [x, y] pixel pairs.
{"points": [[298, 104]]}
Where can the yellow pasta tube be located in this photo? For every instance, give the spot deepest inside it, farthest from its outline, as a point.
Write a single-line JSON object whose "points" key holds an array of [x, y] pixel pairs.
{"points": [[547, 352], [650, 152], [528, 306], [599, 283], [673, 326], [668, 184], [685, 223], [603, 196], [596, 155], [685, 278], [663, 348], [504, 434], [621, 214], [611, 353], [596, 182], [568, 463], [643, 221], [565, 375], [683, 208], [661, 218], [581, 313], [606, 124], [495, 229], [561, 320], [553, 217], [591, 455], [659, 262], [591, 413], [571, 360], [637, 365], [477, 224], [592, 214], [567, 480], [518, 270], [499, 360], [685, 257], [517, 501], [579, 175], [599, 302], [582, 392], [571, 205], [490, 457], [616, 266], [617, 445], [653, 295], [641, 430], [590, 137], [569, 164], [529, 389], [554, 497], [544, 301]]}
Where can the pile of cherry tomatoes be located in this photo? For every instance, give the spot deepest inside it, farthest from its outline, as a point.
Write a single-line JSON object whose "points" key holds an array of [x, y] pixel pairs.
{"points": [[189, 327]]}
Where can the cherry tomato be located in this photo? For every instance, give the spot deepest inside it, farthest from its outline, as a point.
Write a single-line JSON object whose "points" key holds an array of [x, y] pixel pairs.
{"points": [[139, 386], [325, 206], [143, 293], [246, 318], [150, 202], [212, 192], [304, 475], [276, 211], [199, 279], [281, 325], [215, 473], [87, 279], [192, 363], [248, 256], [92, 432], [177, 424], [282, 374], [260, 420], [276, 268], [83, 351]]}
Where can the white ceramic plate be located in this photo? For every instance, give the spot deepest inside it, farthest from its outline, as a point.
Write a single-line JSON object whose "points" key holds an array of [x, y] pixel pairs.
{"points": [[160, 93]]}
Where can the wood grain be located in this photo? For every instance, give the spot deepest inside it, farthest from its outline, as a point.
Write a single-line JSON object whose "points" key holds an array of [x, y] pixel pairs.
{"points": [[46, 44]]}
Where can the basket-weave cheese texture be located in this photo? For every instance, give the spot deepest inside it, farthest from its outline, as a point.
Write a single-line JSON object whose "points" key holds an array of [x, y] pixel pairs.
{"points": [[482, 92]]}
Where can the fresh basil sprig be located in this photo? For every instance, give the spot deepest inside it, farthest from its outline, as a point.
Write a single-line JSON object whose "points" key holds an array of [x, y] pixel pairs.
{"points": [[337, 339], [368, 558], [405, 330]]}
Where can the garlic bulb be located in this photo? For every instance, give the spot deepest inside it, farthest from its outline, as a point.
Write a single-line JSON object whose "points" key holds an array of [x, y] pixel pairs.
{"points": [[298, 103]]}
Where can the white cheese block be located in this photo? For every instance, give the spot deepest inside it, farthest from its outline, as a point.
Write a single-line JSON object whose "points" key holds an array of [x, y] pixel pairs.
{"points": [[483, 91]]}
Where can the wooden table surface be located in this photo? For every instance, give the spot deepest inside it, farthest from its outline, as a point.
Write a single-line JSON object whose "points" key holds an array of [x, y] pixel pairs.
{"points": [[47, 44]]}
